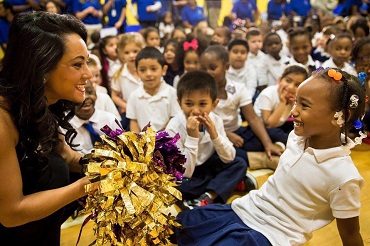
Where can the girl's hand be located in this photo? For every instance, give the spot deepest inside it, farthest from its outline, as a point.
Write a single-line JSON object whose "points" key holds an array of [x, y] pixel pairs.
{"points": [[283, 93], [192, 126], [273, 149], [209, 125], [237, 140]]}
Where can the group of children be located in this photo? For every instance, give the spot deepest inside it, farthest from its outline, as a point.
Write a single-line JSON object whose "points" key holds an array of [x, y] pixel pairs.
{"points": [[234, 103]]}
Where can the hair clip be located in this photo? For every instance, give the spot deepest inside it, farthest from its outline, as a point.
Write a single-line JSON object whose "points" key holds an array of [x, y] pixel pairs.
{"points": [[339, 116], [357, 124], [358, 140], [337, 76], [354, 101], [319, 69], [193, 44], [332, 36], [362, 77]]}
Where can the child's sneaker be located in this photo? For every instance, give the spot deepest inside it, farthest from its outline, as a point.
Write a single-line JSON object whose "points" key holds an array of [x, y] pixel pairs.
{"points": [[201, 201], [247, 184]]}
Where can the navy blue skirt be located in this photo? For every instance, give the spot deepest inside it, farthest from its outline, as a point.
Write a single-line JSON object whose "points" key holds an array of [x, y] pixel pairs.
{"points": [[216, 224]]}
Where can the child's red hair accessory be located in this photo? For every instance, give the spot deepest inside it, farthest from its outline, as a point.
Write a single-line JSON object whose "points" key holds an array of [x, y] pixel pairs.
{"points": [[337, 76], [193, 44]]}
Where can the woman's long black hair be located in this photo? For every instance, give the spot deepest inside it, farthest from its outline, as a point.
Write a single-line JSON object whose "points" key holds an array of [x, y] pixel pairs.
{"points": [[36, 45]]}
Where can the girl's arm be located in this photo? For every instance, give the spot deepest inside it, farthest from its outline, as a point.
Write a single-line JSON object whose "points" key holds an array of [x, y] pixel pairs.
{"points": [[349, 231], [259, 129], [119, 23], [134, 126], [118, 101], [271, 118], [15, 208], [107, 6]]}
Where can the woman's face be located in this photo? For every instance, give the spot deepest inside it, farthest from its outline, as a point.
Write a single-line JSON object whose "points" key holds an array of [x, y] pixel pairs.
{"points": [[68, 79]]}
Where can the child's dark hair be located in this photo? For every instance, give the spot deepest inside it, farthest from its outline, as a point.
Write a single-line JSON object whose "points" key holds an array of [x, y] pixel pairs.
{"points": [[150, 53], [358, 45], [253, 32], [298, 31], [177, 46], [295, 69], [226, 30], [361, 22], [267, 36], [219, 51], [238, 42], [201, 43], [342, 34], [339, 94], [197, 81], [104, 62], [148, 30]]}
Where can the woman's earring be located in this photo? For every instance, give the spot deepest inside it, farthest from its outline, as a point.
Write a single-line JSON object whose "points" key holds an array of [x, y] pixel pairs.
{"points": [[44, 80], [339, 116]]}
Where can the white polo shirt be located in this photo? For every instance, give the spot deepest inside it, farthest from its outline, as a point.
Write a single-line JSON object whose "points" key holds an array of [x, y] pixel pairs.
{"points": [[310, 62], [157, 109], [99, 118], [309, 189], [247, 75], [125, 83], [104, 102], [199, 150], [268, 100], [275, 69], [258, 61], [346, 67], [228, 109]]}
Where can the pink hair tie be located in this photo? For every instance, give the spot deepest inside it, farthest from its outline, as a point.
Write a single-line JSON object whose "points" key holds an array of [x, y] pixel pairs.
{"points": [[193, 44]]}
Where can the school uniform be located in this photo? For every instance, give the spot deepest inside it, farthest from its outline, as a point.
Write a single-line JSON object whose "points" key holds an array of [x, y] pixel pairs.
{"points": [[99, 119], [156, 110], [258, 61], [104, 102], [346, 67], [210, 164], [247, 75], [268, 100], [275, 69], [309, 189], [310, 65], [125, 84], [228, 109]]}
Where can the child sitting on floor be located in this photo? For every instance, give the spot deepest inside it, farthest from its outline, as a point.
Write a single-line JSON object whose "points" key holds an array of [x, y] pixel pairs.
{"points": [[316, 180], [211, 169]]}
